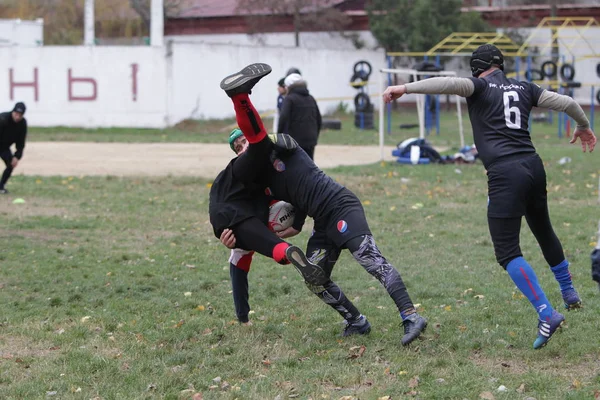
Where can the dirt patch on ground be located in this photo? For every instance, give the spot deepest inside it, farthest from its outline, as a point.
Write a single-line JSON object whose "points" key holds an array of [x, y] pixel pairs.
{"points": [[585, 370], [14, 347], [162, 159]]}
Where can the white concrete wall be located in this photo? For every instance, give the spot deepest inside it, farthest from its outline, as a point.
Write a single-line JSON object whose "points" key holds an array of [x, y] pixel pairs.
{"points": [[318, 40], [197, 70], [108, 86], [17, 32]]}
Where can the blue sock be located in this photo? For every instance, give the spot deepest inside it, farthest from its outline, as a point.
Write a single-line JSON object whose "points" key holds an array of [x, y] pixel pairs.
{"points": [[563, 276], [524, 277]]}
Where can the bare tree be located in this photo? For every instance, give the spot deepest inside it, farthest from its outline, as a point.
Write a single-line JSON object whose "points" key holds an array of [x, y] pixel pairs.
{"points": [[306, 15], [142, 7]]}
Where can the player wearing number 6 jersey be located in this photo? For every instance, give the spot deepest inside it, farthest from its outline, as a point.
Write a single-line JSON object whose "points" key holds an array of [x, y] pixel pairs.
{"points": [[499, 110]]}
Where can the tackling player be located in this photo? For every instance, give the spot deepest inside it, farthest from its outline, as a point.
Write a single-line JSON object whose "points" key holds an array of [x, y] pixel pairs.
{"points": [[338, 214], [499, 110]]}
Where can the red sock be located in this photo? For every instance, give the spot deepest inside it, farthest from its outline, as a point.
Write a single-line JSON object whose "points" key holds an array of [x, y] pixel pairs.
{"points": [[248, 119], [245, 261], [279, 253]]}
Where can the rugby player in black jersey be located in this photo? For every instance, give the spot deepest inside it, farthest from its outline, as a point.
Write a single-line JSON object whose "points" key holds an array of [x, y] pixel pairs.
{"points": [[339, 219], [499, 110]]}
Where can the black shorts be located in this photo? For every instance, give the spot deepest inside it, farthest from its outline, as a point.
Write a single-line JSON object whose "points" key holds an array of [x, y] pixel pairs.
{"points": [[516, 184], [346, 220]]}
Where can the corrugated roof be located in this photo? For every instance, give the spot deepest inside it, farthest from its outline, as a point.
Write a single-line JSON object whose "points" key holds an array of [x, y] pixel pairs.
{"points": [[225, 8]]}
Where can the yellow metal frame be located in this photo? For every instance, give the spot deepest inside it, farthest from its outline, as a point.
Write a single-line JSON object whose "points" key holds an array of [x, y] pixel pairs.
{"points": [[557, 25], [463, 44]]}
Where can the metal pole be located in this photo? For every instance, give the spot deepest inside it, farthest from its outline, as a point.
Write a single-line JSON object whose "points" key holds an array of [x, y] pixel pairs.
{"points": [[460, 122], [389, 105], [592, 108], [157, 23], [88, 21], [381, 105]]}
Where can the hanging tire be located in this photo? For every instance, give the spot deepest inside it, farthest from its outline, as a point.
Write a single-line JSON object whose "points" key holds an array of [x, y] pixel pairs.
{"points": [[552, 72], [598, 96], [362, 102], [567, 72], [359, 79], [598, 70], [534, 75], [363, 67]]}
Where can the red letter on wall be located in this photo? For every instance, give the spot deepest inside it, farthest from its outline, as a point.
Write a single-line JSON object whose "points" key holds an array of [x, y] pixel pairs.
{"points": [[14, 84], [134, 72], [91, 97]]}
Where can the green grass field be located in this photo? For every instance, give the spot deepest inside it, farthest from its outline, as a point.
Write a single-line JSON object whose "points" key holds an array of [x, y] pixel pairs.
{"points": [[114, 288]]}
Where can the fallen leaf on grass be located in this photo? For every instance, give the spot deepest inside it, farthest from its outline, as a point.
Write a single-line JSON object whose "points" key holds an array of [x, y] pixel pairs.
{"points": [[85, 319], [266, 362], [197, 396], [179, 324], [521, 388], [356, 352], [576, 384], [413, 382], [486, 396]]}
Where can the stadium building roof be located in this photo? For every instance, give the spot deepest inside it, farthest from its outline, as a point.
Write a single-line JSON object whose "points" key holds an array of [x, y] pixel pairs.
{"points": [[228, 8]]}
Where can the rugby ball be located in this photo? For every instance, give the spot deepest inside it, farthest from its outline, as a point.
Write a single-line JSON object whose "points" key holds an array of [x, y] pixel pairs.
{"points": [[281, 216]]}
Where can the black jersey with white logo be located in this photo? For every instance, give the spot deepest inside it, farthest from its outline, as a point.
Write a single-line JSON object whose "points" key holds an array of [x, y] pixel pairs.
{"points": [[499, 111], [296, 179]]}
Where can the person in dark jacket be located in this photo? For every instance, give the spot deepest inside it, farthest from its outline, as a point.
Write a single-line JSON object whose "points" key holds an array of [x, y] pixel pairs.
{"points": [[13, 130], [300, 116]]}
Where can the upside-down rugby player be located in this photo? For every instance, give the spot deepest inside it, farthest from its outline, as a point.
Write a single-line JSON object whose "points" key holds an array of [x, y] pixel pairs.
{"points": [[243, 210]]}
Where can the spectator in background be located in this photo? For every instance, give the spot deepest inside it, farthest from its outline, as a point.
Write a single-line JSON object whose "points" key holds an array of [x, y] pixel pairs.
{"points": [[300, 116], [13, 130], [281, 90], [281, 95], [292, 70]]}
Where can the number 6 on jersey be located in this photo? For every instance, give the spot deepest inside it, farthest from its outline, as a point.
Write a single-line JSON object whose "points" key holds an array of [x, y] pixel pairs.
{"points": [[508, 110]]}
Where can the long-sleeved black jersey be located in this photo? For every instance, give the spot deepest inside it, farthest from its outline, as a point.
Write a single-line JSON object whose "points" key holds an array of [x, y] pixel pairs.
{"points": [[12, 132], [499, 112]]}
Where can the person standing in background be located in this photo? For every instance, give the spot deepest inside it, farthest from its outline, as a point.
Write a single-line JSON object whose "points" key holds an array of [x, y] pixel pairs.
{"points": [[281, 95], [13, 130], [300, 116]]}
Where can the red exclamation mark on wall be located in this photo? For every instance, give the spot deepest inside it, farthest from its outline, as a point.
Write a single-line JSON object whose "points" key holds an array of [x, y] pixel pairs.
{"points": [[134, 72]]}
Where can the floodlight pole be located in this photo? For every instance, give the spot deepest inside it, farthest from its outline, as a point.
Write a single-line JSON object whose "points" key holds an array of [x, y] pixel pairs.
{"points": [[88, 30], [157, 23]]}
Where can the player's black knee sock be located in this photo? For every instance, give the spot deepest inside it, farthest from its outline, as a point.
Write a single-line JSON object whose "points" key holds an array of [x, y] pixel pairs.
{"points": [[365, 251], [239, 283], [332, 295], [5, 175]]}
